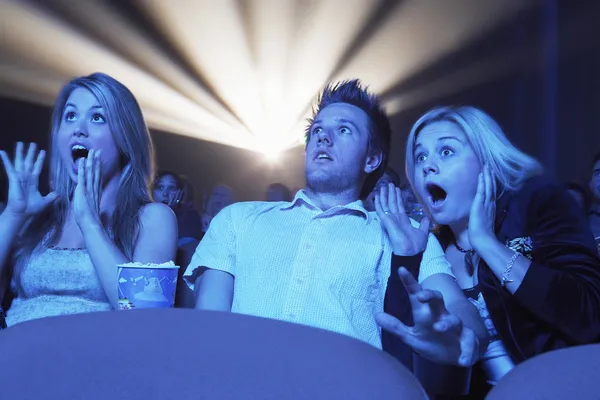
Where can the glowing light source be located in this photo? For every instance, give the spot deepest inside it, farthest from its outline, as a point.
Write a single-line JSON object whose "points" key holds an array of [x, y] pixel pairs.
{"points": [[246, 72]]}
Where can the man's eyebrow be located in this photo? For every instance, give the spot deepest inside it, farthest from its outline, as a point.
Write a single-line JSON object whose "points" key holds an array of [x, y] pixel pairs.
{"points": [[346, 121]]}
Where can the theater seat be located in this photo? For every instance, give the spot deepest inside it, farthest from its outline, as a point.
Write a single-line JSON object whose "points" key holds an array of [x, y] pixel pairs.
{"points": [[572, 373], [189, 354]]}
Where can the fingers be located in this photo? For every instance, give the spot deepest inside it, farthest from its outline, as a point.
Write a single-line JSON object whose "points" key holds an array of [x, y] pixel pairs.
{"points": [[19, 157], [468, 348], [39, 163], [50, 197], [425, 225], [391, 324], [435, 300], [29, 158], [173, 197], [33, 181], [409, 282], [399, 200], [381, 206], [378, 207], [382, 197], [392, 198], [28, 164], [89, 172], [8, 165], [489, 185], [448, 323], [97, 173], [81, 173], [480, 194]]}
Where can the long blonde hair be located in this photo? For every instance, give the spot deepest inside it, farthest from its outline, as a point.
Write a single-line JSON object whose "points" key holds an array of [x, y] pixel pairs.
{"points": [[136, 153]]}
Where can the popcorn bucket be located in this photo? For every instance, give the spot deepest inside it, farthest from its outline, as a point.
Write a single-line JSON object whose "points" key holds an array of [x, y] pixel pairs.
{"points": [[146, 285]]}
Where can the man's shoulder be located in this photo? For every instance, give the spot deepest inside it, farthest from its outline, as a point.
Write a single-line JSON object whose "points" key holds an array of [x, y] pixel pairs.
{"points": [[246, 209]]}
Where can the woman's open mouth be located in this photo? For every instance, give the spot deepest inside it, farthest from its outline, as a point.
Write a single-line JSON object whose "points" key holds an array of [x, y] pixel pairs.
{"points": [[437, 195], [78, 151]]}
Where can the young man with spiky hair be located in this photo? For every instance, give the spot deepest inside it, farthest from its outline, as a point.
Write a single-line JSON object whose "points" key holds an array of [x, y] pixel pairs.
{"points": [[322, 259]]}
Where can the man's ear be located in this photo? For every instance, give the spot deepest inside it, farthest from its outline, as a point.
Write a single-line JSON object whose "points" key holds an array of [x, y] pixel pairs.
{"points": [[373, 161]]}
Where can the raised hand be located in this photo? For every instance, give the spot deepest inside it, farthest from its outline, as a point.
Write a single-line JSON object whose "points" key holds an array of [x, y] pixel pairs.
{"points": [[483, 210], [175, 198], [436, 334], [24, 197], [86, 199], [405, 238]]}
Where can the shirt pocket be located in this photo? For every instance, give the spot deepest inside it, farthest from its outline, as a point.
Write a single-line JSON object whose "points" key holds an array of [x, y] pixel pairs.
{"points": [[353, 269]]}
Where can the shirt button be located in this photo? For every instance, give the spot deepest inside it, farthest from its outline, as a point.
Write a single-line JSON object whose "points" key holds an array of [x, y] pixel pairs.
{"points": [[308, 246], [299, 281], [292, 316]]}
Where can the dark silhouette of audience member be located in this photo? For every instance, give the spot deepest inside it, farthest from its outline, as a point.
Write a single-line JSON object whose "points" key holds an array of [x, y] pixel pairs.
{"points": [[177, 192], [188, 217], [581, 196], [278, 192], [168, 189], [518, 247], [389, 176], [594, 209], [62, 249], [220, 197], [190, 234], [411, 203]]}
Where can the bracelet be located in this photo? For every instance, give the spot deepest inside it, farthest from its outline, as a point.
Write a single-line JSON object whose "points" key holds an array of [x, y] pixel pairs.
{"points": [[509, 267]]}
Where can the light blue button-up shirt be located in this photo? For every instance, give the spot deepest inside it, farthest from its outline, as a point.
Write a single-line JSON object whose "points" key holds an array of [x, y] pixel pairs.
{"points": [[293, 261]]}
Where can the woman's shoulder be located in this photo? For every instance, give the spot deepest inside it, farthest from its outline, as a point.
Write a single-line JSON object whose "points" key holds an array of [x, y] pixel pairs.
{"points": [[541, 189], [544, 201], [539, 183], [156, 212]]}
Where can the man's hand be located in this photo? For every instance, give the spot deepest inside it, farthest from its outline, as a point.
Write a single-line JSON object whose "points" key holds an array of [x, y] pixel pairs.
{"points": [[436, 334], [405, 238]]}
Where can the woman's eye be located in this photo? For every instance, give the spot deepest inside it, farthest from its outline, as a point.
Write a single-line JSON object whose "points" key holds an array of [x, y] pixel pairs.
{"points": [[344, 130], [97, 118], [70, 116], [316, 131]]}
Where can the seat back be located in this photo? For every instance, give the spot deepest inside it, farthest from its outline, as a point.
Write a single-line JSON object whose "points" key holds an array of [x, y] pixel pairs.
{"points": [[190, 354], [571, 373]]}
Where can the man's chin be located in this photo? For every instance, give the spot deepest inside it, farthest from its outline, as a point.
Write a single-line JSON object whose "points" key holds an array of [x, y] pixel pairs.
{"points": [[319, 183]]}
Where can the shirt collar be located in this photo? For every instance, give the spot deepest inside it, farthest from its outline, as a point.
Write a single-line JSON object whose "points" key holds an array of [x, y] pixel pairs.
{"points": [[302, 198]]}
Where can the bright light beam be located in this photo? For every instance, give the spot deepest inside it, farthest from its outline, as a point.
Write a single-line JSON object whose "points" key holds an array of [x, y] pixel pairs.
{"points": [[421, 32]]}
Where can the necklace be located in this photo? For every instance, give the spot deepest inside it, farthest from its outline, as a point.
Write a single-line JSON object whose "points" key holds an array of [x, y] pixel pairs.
{"points": [[468, 258], [470, 251]]}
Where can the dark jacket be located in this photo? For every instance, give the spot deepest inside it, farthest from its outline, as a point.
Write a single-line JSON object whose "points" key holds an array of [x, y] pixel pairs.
{"points": [[558, 302]]}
